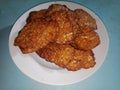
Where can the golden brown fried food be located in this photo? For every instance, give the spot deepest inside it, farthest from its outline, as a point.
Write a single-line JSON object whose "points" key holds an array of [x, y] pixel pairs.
{"points": [[74, 21], [67, 57], [36, 15], [87, 40], [56, 7], [61, 36], [35, 35], [85, 19], [81, 59], [65, 33], [70, 13], [59, 54]]}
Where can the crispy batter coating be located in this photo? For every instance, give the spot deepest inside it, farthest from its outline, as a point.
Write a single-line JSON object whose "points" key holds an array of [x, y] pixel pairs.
{"points": [[36, 15], [87, 40], [67, 57], [61, 55], [35, 35], [70, 13], [74, 21], [85, 19], [65, 33], [56, 7], [81, 59], [61, 36]]}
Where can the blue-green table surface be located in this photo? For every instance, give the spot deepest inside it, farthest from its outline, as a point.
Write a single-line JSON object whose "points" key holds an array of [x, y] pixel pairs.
{"points": [[106, 78]]}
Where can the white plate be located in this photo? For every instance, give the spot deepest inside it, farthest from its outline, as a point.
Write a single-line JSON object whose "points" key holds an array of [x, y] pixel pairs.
{"points": [[38, 69]]}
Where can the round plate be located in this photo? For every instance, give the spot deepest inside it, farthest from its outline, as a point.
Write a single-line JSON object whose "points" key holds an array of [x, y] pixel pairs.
{"points": [[45, 72]]}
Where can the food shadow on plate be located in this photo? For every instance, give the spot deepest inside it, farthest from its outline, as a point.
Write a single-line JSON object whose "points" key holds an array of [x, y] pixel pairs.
{"points": [[44, 63]]}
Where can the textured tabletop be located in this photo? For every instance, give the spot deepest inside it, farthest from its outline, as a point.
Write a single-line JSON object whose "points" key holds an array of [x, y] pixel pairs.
{"points": [[106, 78]]}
